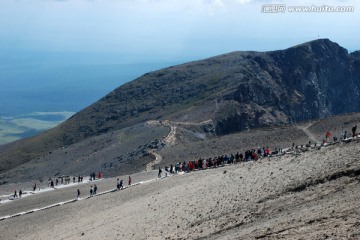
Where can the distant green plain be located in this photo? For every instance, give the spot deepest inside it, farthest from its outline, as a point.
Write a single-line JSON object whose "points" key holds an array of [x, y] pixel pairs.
{"points": [[15, 128]]}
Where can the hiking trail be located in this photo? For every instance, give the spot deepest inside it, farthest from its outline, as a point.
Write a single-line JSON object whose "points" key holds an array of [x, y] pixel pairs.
{"points": [[170, 139], [158, 159], [307, 132]]}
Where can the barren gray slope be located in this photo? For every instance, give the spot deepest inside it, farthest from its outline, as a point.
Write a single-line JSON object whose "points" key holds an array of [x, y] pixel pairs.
{"points": [[312, 196]]}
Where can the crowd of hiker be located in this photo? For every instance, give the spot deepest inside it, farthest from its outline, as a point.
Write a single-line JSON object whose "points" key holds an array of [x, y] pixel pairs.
{"points": [[248, 155], [66, 179], [63, 180], [16, 195], [93, 176], [119, 183], [52, 183], [201, 164], [93, 190]]}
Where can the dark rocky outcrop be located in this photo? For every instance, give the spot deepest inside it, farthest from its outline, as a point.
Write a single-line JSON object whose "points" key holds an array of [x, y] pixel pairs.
{"points": [[309, 81]]}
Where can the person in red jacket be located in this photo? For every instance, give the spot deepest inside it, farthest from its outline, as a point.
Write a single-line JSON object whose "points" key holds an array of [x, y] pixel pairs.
{"points": [[267, 151]]}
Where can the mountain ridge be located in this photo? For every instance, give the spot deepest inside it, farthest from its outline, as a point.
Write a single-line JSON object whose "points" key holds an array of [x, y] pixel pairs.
{"points": [[236, 91]]}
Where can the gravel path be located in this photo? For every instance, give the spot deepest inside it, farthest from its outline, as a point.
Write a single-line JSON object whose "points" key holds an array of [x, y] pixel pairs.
{"points": [[307, 132]]}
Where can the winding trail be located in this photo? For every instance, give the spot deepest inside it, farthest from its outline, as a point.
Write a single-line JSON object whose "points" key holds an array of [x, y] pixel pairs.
{"points": [[170, 139], [158, 159], [307, 132]]}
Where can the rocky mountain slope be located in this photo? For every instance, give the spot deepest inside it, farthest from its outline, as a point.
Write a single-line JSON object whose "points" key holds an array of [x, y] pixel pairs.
{"points": [[231, 92], [155, 144], [312, 195]]}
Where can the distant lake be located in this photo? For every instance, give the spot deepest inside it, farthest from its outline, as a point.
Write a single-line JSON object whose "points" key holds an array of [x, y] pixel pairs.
{"points": [[54, 87], [39, 88]]}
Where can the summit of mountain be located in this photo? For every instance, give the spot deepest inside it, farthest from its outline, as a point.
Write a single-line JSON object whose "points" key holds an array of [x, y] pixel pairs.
{"points": [[231, 92]]}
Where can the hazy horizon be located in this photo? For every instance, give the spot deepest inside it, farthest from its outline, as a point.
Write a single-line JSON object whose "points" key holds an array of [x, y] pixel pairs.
{"points": [[63, 55], [64, 46]]}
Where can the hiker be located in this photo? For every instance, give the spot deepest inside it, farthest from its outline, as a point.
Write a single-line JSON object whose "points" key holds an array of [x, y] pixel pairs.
{"points": [[118, 184], [204, 164], [275, 152], [78, 194], [185, 167], [15, 194], [191, 166], [20, 193], [327, 136], [95, 189], [160, 171], [129, 180], [267, 151], [121, 184], [254, 156], [171, 169], [232, 157], [91, 191], [176, 167], [34, 187], [259, 152], [166, 171], [354, 131], [237, 158]]}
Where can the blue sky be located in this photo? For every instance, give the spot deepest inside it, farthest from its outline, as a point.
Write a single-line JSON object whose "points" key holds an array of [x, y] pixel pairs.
{"points": [[133, 31]]}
